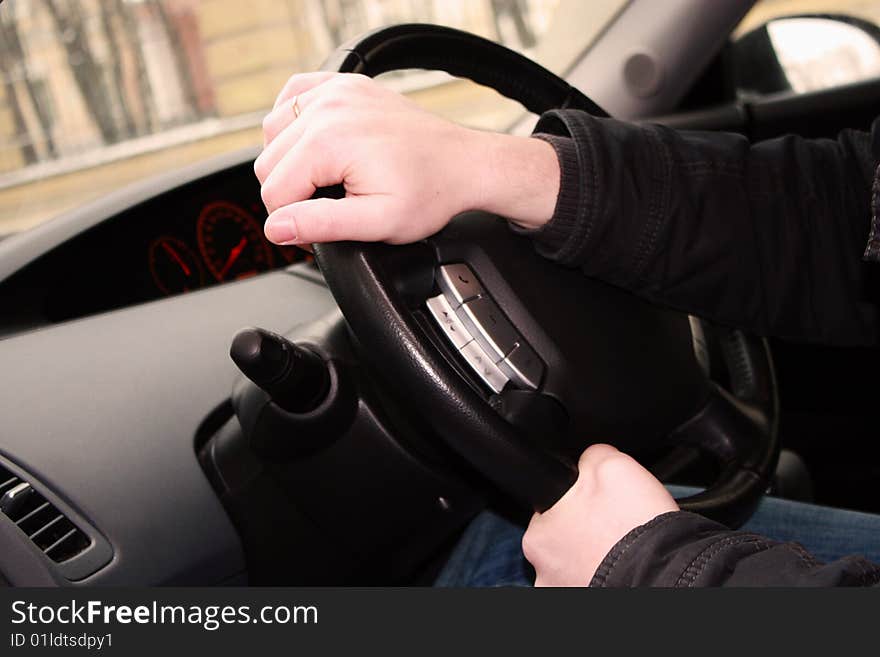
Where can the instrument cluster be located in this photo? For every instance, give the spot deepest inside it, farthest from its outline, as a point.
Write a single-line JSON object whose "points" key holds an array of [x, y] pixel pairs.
{"points": [[229, 245], [208, 232]]}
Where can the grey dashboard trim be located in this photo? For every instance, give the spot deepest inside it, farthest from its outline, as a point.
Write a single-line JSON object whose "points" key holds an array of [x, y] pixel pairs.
{"points": [[21, 564], [104, 411]]}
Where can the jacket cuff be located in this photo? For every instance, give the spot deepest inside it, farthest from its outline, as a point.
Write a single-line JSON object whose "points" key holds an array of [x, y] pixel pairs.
{"points": [[607, 220], [668, 551], [553, 236], [562, 238], [681, 549]]}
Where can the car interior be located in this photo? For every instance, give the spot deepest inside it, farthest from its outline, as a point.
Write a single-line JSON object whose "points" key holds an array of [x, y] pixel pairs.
{"points": [[185, 403]]}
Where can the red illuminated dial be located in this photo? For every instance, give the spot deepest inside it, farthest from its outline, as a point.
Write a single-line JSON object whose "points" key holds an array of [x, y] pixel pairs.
{"points": [[232, 242], [175, 268]]}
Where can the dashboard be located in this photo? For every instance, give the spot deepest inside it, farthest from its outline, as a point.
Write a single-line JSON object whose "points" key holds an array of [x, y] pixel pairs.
{"points": [[96, 429], [201, 234]]}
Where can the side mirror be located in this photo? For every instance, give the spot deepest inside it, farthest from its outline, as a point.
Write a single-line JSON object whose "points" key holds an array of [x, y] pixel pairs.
{"points": [[805, 53]]}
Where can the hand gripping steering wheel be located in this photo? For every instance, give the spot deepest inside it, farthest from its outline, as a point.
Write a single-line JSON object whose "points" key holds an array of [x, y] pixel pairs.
{"points": [[518, 363]]}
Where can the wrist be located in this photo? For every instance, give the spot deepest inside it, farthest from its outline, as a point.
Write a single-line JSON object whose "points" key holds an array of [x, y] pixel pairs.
{"points": [[520, 179]]}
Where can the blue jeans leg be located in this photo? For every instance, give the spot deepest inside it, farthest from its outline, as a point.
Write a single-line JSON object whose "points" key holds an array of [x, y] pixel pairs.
{"points": [[489, 552]]}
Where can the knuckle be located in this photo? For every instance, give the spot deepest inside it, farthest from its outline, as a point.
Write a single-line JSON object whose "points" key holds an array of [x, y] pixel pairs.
{"points": [[337, 82], [315, 140], [359, 81], [531, 546], [261, 168], [323, 141], [271, 125], [348, 80], [292, 83], [267, 193], [612, 467], [600, 467], [350, 84], [595, 455], [331, 101]]}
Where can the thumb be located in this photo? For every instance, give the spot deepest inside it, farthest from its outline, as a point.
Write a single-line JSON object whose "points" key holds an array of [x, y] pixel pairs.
{"points": [[354, 218]]}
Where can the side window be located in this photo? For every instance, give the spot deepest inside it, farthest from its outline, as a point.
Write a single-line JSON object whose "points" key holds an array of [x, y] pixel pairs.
{"points": [[96, 94], [803, 46]]}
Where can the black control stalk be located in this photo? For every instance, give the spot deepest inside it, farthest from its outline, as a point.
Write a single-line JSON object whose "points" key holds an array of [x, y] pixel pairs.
{"points": [[294, 377]]}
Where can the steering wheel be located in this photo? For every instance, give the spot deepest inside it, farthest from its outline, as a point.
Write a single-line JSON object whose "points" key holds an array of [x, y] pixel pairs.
{"points": [[573, 360]]}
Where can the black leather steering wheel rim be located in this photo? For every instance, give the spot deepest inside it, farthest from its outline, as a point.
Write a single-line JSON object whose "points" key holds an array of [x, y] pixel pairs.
{"points": [[438, 48], [377, 287]]}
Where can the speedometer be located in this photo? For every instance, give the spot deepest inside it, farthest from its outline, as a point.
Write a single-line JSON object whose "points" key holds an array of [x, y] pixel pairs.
{"points": [[174, 266], [232, 242]]}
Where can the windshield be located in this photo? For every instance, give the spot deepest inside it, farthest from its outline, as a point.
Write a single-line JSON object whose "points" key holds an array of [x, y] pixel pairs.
{"points": [[96, 94]]}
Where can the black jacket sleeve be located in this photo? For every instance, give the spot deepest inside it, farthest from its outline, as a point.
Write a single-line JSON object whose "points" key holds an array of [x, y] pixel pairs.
{"points": [[687, 550], [767, 237]]}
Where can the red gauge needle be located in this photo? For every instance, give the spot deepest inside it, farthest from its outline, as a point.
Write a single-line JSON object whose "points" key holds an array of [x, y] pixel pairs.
{"points": [[233, 256], [176, 257]]}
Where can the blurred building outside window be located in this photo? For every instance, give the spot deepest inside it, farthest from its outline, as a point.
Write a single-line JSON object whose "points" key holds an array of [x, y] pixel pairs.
{"points": [[120, 89]]}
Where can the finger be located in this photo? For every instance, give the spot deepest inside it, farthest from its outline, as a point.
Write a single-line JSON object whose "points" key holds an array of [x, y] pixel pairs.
{"points": [[280, 146], [301, 83], [532, 539], [281, 118], [301, 170], [283, 112], [356, 218]]}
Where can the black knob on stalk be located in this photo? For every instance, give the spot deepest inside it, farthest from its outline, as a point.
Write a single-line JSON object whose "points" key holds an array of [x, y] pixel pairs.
{"points": [[295, 378]]}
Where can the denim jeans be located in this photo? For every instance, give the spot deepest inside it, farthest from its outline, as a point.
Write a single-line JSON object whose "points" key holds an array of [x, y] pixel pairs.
{"points": [[489, 551]]}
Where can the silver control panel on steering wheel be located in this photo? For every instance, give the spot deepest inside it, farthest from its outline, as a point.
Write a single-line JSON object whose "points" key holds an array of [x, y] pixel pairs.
{"points": [[481, 333]]}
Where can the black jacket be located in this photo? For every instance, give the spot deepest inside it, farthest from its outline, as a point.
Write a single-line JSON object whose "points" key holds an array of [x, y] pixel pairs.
{"points": [[775, 237]]}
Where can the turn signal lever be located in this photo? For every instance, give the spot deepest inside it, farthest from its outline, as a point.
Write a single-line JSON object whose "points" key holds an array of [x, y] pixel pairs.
{"points": [[295, 378], [293, 401]]}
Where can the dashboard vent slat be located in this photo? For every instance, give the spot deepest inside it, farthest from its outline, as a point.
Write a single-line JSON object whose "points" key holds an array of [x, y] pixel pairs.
{"points": [[69, 545], [45, 530], [61, 541], [7, 480], [47, 527]]}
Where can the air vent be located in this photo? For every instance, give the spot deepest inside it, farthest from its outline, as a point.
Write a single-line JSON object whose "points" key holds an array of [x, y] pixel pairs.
{"points": [[48, 528]]}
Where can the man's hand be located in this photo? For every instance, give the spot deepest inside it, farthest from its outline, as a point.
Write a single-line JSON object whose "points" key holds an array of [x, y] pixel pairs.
{"points": [[612, 496], [406, 172]]}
